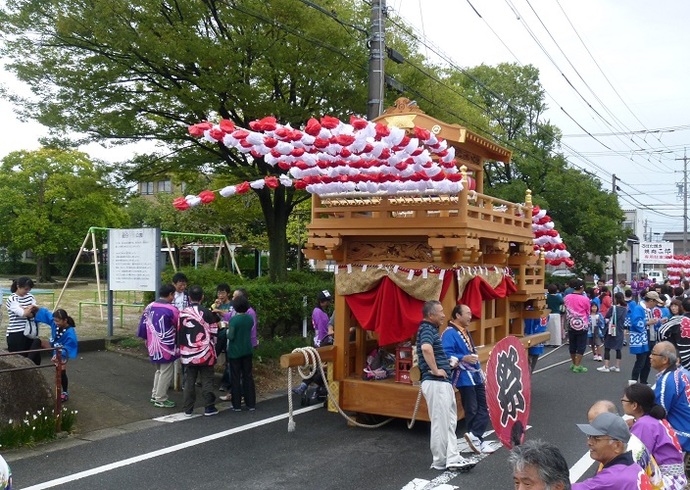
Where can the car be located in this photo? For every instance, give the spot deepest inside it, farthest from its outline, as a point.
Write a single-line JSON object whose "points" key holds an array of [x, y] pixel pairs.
{"points": [[655, 276], [563, 273]]}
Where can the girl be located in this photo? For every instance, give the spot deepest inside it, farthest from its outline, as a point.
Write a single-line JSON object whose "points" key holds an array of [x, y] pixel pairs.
{"points": [[62, 336], [650, 426], [596, 331], [614, 333], [20, 308]]}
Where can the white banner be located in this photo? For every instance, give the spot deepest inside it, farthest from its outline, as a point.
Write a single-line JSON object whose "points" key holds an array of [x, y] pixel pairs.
{"points": [[656, 252], [132, 259]]}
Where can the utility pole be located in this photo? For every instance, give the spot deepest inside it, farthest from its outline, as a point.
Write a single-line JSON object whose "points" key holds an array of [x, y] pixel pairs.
{"points": [[685, 201], [377, 50], [614, 279]]}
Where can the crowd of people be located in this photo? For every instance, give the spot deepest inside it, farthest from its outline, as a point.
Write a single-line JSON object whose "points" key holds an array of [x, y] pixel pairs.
{"points": [[177, 325], [647, 445]]}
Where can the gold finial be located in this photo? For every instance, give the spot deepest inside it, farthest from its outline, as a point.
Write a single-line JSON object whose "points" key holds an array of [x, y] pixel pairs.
{"points": [[528, 197], [542, 253]]}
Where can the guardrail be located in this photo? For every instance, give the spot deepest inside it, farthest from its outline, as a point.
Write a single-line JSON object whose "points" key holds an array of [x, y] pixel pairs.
{"points": [[58, 378], [116, 305]]}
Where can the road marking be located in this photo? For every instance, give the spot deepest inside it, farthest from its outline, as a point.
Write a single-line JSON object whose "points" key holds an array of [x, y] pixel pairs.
{"points": [[579, 468], [167, 450]]}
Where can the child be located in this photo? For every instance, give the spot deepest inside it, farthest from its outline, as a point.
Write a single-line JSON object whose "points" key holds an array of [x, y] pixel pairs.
{"points": [[595, 332], [62, 336]]}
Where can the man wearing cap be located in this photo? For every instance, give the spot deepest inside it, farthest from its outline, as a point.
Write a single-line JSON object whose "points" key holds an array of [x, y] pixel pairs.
{"points": [[577, 310], [607, 437], [438, 391], [672, 390], [643, 325], [636, 447]]}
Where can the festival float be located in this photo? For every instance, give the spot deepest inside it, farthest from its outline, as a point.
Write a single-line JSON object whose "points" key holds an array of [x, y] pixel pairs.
{"points": [[398, 206]]}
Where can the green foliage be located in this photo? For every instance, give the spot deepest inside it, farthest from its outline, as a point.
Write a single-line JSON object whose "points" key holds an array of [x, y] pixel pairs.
{"points": [[279, 306], [273, 348], [49, 198], [114, 72], [35, 428]]}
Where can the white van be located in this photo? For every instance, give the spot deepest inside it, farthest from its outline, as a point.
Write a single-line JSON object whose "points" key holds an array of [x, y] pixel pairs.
{"points": [[655, 276]]}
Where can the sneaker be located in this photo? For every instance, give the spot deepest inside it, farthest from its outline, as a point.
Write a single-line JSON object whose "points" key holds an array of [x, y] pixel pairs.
{"points": [[188, 413], [572, 367], [164, 404], [473, 442], [253, 409], [210, 411], [487, 447], [580, 369], [152, 400], [603, 369], [462, 467], [225, 398], [236, 409], [300, 389], [615, 369], [64, 397]]}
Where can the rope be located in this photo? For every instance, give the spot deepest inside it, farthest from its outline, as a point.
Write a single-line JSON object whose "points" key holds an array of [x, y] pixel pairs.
{"points": [[410, 424], [312, 362]]}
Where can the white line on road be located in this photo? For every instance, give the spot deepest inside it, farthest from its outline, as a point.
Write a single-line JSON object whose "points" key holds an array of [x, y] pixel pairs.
{"points": [[167, 450], [580, 467]]}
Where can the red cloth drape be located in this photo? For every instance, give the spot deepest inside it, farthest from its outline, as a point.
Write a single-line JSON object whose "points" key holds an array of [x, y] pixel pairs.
{"points": [[478, 290], [390, 311]]}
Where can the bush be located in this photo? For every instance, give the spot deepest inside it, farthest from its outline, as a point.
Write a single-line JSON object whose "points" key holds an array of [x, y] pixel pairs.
{"points": [[280, 307]]}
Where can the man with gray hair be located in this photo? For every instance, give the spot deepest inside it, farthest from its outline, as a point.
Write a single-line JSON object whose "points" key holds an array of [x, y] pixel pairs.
{"points": [[672, 390], [438, 392], [538, 465]]}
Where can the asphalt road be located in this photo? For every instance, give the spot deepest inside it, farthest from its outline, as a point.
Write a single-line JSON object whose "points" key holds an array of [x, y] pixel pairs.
{"points": [[255, 450]]}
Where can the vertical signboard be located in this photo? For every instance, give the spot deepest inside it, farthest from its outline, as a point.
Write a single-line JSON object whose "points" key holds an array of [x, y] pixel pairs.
{"points": [[133, 259]]}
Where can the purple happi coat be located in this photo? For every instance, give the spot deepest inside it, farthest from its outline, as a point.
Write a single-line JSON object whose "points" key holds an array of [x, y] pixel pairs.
{"points": [[158, 325]]}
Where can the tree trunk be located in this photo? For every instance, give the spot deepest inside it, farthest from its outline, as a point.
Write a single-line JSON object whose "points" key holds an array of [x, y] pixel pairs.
{"points": [[276, 212], [42, 269]]}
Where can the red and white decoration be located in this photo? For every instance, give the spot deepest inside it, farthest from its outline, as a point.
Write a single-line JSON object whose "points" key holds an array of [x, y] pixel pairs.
{"points": [[332, 158], [546, 237], [678, 268]]}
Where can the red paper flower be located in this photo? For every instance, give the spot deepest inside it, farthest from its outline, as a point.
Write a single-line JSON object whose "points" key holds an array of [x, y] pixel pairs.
{"points": [[344, 139], [242, 188], [382, 131], [321, 143], [268, 123], [284, 166], [181, 203], [207, 196], [197, 130], [240, 134], [330, 122], [300, 184], [421, 133], [297, 152], [271, 181], [270, 142], [358, 122], [227, 125], [313, 127]]}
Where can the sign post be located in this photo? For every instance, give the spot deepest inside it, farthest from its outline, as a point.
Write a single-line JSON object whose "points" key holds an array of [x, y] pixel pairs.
{"points": [[133, 263]]}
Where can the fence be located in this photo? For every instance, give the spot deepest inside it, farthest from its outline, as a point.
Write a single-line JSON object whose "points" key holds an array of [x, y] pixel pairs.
{"points": [[58, 378]]}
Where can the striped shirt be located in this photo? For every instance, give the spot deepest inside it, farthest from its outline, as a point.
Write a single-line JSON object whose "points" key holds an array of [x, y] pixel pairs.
{"points": [[15, 304], [428, 334]]}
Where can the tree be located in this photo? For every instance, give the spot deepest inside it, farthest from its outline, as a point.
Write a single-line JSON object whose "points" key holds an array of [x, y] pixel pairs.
{"points": [[49, 198], [588, 217], [119, 70]]}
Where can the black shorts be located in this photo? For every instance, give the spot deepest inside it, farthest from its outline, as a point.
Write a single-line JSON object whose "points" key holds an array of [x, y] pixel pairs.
{"points": [[577, 341]]}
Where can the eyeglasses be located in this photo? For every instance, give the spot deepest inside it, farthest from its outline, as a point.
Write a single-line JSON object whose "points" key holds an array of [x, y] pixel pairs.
{"points": [[597, 438], [625, 401], [655, 354]]}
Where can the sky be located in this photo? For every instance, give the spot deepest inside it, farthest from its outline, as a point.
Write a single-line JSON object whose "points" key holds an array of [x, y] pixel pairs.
{"points": [[627, 63], [626, 110]]}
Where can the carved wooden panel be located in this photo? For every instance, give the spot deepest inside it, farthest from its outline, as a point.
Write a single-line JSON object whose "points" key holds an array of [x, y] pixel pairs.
{"points": [[389, 250]]}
